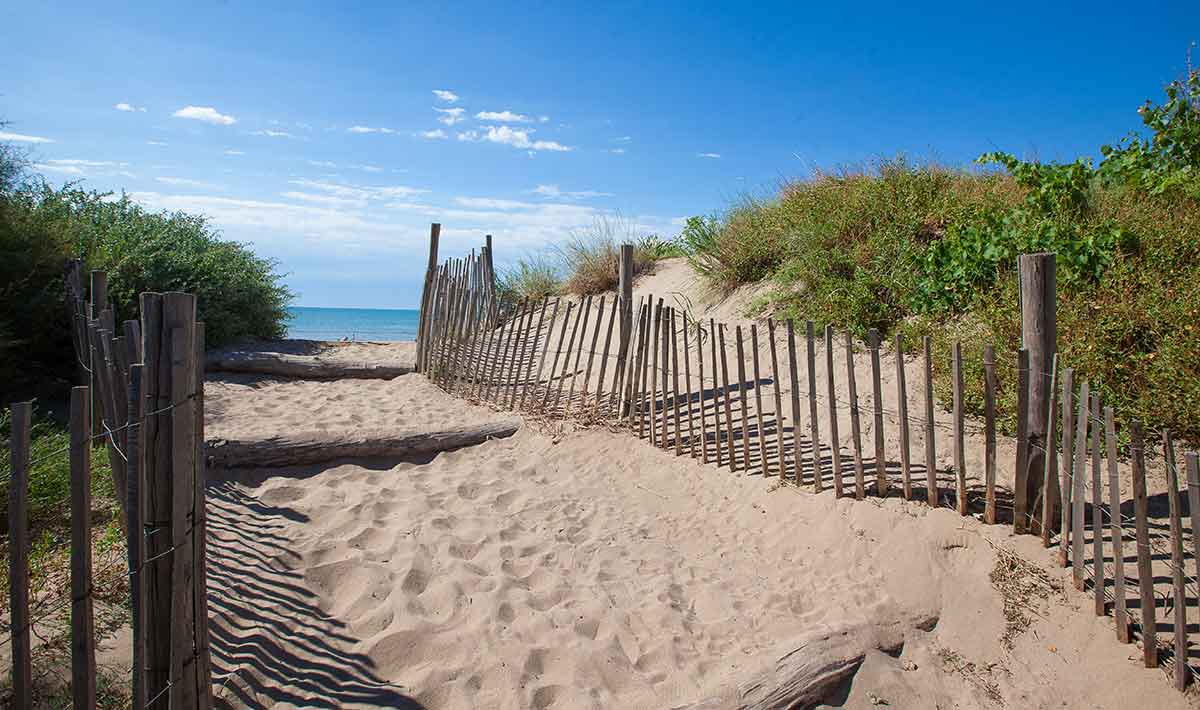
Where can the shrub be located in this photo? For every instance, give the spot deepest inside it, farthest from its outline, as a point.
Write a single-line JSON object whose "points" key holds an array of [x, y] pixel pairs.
{"points": [[532, 277], [592, 257], [239, 295], [933, 251]]}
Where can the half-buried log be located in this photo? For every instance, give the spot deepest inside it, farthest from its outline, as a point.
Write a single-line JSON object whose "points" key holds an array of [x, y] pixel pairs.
{"points": [[319, 447], [825, 659], [307, 367]]}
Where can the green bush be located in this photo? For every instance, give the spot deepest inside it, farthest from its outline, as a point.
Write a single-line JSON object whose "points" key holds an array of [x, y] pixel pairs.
{"points": [[239, 295], [926, 250], [532, 277]]}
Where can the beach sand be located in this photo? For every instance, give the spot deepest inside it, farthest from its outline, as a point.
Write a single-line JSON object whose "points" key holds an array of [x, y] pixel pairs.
{"points": [[578, 567]]}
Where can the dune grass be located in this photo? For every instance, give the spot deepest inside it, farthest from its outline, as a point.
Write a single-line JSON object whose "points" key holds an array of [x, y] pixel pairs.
{"points": [[923, 249]]}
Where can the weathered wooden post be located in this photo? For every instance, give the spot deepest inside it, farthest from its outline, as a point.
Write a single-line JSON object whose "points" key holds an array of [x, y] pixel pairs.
{"points": [[625, 282], [423, 318], [99, 294], [83, 640], [18, 553], [1039, 335]]}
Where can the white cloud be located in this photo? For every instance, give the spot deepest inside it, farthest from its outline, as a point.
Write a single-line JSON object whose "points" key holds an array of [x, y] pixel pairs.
{"points": [[553, 191], [269, 133], [64, 169], [491, 203], [76, 166], [369, 129], [187, 182], [543, 119], [158, 143], [622, 139], [330, 200], [323, 164], [359, 192], [235, 152], [503, 117], [436, 134], [20, 138], [446, 95], [206, 114], [368, 168], [129, 107], [517, 138], [617, 151], [450, 116], [713, 156]]}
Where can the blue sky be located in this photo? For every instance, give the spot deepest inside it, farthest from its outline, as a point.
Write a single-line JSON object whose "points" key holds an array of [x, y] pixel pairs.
{"points": [[330, 135]]}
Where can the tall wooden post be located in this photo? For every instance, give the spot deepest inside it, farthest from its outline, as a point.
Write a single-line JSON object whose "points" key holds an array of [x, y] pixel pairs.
{"points": [[83, 640], [423, 318], [99, 296], [625, 282], [18, 553], [1039, 335]]}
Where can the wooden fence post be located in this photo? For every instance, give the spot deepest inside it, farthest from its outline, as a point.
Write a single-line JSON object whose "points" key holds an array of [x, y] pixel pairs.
{"points": [[703, 407], [835, 444], [902, 396], [135, 536], [1050, 472], [1179, 612], [1117, 532], [795, 380], [1039, 334], [1144, 553], [18, 553], [814, 429], [989, 423], [687, 379], [199, 590], [741, 371], [1193, 489], [1078, 470], [860, 476], [99, 299], [83, 640], [779, 403], [652, 365], [423, 318], [930, 443], [1065, 477], [625, 288], [758, 405], [881, 480], [1097, 511], [960, 454], [725, 396], [1022, 505]]}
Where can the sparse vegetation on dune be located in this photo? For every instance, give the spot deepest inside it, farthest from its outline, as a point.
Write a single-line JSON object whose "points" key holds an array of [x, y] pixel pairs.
{"points": [[588, 263], [929, 250]]}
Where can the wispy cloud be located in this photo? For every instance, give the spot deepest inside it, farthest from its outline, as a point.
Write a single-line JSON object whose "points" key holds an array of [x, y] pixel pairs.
{"points": [[188, 182], [323, 164], [492, 203], [271, 133], [362, 193], [21, 138], [622, 139], [553, 191], [157, 143], [446, 95], [435, 134], [206, 114], [617, 151], [130, 108], [235, 152], [77, 166], [450, 116], [711, 156], [517, 138], [503, 117], [369, 129]]}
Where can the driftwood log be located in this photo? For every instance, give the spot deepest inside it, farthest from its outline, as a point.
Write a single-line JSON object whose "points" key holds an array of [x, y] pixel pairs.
{"points": [[307, 367], [318, 447], [825, 659]]}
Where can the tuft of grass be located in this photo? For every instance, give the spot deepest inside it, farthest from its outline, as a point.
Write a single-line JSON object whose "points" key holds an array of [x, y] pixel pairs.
{"points": [[532, 277], [591, 258]]}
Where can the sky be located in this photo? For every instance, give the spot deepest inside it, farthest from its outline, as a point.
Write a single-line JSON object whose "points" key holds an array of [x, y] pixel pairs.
{"points": [[329, 136]]}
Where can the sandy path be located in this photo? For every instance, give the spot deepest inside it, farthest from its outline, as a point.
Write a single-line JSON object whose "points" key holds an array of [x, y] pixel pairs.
{"points": [[599, 572]]}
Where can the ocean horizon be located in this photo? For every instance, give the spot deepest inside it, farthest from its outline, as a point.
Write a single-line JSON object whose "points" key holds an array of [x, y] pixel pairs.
{"points": [[387, 324]]}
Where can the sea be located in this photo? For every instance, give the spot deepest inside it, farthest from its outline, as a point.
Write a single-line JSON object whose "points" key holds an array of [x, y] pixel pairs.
{"points": [[309, 323]]}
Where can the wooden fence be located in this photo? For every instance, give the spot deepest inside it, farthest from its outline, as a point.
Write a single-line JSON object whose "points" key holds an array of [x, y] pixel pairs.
{"points": [[557, 357], [144, 399]]}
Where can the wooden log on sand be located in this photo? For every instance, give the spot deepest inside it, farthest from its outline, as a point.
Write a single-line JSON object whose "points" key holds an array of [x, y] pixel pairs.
{"points": [[810, 674], [312, 368], [317, 447]]}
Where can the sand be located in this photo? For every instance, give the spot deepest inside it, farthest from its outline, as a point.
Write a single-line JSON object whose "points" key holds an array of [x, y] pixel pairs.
{"points": [[573, 567]]}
